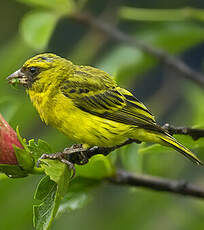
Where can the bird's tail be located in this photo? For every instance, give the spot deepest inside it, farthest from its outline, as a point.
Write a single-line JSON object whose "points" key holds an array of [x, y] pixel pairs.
{"points": [[170, 141]]}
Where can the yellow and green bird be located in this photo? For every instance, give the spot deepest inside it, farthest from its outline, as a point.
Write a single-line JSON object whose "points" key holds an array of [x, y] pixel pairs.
{"points": [[88, 106]]}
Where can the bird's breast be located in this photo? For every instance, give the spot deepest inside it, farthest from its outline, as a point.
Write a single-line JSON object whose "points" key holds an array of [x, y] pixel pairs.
{"points": [[43, 104]]}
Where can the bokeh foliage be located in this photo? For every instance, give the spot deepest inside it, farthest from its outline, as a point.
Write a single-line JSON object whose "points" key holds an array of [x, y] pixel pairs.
{"points": [[29, 27]]}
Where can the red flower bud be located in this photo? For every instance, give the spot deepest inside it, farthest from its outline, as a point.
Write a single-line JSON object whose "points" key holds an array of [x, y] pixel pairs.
{"points": [[8, 138]]}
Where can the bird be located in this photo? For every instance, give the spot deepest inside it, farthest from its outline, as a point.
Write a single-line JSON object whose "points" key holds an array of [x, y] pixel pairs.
{"points": [[87, 105]]}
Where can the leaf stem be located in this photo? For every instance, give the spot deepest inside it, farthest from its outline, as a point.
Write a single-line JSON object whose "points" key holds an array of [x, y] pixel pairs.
{"points": [[36, 170]]}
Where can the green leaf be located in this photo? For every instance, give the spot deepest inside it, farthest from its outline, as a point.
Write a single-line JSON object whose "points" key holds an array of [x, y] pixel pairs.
{"points": [[57, 5], [12, 171], [99, 167], [130, 157], [50, 192], [79, 194], [44, 213], [140, 14], [3, 177], [152, 149], [37, 27], [22, 140], [58, 172], [38, 148], [24, 159]]}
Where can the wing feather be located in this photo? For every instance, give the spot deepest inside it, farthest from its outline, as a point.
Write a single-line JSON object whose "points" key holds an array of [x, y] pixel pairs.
{"points": [[108, 101]]}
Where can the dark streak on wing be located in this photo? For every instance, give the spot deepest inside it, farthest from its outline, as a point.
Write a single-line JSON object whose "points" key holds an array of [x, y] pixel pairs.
{"points": [[103, 136], [102, 99], [72, 91], [90, 101], [123, 118], [116, 106], [107, 97], [99, 135], [115, 102], [131, 98], [139, 116], [114, 96], [116, 91], [110, 131], [98, 102], [139, 107]]}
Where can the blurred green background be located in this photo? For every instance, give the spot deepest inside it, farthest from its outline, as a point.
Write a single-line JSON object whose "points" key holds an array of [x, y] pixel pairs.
{"points": [[29, 27]]}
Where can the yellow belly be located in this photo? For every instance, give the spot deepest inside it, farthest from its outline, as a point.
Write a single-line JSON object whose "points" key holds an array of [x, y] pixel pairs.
{"points": [[78, 125], [87, 128]]}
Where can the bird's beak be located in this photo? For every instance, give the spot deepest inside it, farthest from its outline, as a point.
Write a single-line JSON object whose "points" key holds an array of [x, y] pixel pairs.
{"points": [[17, 77]]}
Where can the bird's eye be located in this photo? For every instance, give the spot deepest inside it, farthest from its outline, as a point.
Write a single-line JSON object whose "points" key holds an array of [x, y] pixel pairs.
{"points": [[33, 70]]}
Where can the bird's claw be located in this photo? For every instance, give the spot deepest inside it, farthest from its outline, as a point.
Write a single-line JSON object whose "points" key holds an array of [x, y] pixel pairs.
{"points": [[70, 166], [44, 156], [58, 156]]}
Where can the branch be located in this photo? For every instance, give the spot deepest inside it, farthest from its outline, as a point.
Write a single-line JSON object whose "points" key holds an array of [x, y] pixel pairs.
{"points": [[163, 56], [157, 183], [194, 133], [78, 155]]}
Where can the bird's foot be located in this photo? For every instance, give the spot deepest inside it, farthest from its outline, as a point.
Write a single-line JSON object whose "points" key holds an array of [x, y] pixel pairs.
{"points": [[77, 154], [58, 156]]}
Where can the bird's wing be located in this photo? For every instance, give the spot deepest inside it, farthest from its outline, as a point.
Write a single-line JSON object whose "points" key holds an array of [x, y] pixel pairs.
{"points": [[111, 103]]}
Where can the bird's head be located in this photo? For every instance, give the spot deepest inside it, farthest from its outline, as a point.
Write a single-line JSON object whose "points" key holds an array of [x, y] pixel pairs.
{"points": [[40, 70]]}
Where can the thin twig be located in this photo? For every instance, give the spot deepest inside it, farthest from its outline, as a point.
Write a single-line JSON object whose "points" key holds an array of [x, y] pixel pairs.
{"points": [[77, 155], [193, 132], [163, 56], [157, 183]]}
